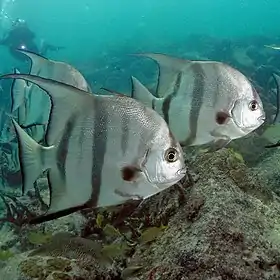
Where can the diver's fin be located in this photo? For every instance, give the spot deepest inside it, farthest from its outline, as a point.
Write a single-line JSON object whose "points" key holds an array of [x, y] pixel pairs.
{"points": [[34, 158], [169, 68], [66, 101]]}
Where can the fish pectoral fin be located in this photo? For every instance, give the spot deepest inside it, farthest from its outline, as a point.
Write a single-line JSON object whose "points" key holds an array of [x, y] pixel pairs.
{"points": [[169, 68], [34, 158]]}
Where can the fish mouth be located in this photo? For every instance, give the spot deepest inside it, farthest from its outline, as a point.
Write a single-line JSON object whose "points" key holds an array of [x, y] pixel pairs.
{"points": [[261, 118], [181, 173]]}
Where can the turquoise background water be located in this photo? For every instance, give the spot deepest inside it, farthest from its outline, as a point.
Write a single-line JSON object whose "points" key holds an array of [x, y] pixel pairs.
{"points": [[88, 28]]}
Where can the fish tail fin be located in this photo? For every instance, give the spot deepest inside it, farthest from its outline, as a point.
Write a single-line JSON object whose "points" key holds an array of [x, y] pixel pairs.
{"points": [[142, 94], [34, 158]]}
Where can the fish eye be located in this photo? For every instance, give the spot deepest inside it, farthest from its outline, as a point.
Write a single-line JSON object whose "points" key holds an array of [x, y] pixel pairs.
{"points": [[171, 155], [253, 105]]}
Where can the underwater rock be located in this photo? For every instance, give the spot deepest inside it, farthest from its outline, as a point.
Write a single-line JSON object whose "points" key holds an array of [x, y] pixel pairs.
{"points": [[223, 225], [229, 228], [269, 170], [32, 266], [59, 268], [252, 148]]}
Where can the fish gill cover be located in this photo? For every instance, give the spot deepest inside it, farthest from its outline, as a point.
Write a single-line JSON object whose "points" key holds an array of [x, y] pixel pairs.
{"points": [[222, 220]]}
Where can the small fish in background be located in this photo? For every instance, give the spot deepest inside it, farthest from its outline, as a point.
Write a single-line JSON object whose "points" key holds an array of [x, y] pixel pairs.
{"points": [[274, 47], [204, 102], [102, 150], [271, 131], [33, 109]]}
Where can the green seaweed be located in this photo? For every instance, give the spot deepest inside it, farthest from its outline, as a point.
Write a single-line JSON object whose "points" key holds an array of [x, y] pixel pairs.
{"points": [[114, 250], [150, 234], [99, 220], [5, 255], [110, 230], [237, 155], [39, 238]]}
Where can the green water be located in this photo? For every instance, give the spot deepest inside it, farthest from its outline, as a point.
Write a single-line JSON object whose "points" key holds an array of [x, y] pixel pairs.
{"points": [[89, 27]]}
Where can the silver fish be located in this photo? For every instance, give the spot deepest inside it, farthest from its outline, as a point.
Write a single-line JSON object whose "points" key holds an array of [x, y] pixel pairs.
{"points": [[102, 150], [24, 113], [204, 102], [34, 109]]}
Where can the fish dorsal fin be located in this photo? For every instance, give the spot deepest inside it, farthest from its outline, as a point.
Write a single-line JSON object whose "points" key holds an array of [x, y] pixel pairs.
{"points": [[169, 68], [66, 100], [112, 92], [19, 92], [37, 62], [57, 70], [141, 93]]}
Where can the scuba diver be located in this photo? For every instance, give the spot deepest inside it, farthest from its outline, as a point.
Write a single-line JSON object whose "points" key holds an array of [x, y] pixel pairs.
{"points": [[21, 37]]}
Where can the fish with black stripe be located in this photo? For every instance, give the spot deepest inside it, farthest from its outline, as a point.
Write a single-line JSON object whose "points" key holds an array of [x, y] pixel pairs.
{"points": [[101, 150], [204, 102], [33, 109]]}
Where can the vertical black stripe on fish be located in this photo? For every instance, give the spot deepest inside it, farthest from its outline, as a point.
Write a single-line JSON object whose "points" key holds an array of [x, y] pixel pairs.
{"points": [[82, 136], [153, 104], [168, 99], [99, 150], [63, 146], [197, 101]]}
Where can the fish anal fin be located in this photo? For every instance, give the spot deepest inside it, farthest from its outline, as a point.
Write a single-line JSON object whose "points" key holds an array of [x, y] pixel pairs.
{"points": [[33, 158]]}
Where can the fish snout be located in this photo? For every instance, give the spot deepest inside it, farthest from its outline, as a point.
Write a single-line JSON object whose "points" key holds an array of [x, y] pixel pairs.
{"points": [[261, 118], [182, 171]]}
